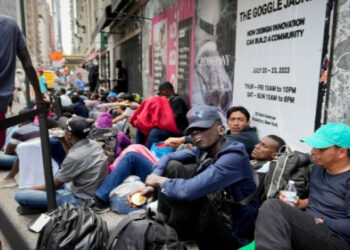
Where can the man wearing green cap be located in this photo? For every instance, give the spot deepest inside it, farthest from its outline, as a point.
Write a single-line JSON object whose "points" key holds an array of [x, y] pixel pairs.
{"points": [[325, 224]]}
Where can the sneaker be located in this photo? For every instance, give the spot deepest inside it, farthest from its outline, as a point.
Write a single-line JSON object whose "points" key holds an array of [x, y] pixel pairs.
{"points": [[100, 206], [29, 210], [6, 183]]}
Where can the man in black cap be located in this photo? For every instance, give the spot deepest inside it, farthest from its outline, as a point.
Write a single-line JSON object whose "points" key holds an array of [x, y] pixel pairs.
{"points": [[193, 200], [83, 170]]}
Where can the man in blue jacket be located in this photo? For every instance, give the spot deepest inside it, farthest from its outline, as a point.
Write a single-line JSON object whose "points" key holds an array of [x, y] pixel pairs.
{"points": [[325, 224], [238, 123], [189, 201]]}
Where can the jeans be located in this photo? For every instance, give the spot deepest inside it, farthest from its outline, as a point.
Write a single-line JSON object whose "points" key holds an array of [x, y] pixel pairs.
{"points": [[6, 161], [157, 135], [131, 164], [38, 199], [281, 226]]}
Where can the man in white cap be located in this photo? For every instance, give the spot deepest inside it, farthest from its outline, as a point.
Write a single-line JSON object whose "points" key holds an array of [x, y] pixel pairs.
{"points": [[325, 224]]}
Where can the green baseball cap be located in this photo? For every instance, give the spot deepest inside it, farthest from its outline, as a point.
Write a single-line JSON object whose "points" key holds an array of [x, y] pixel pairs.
{"points": [[331, 134]]}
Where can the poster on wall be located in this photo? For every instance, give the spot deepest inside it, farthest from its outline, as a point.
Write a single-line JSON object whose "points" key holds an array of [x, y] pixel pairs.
{"points": [[214, 53], [172, 47], [278, 56]]}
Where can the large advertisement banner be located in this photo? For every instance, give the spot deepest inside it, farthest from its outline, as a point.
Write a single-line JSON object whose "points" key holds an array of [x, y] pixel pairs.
{"points": [[172, 47], [277, 67], [214, 53]]}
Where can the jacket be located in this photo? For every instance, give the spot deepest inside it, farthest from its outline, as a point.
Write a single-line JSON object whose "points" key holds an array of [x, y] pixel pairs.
{"points": [[154, 112], [230, 170]]}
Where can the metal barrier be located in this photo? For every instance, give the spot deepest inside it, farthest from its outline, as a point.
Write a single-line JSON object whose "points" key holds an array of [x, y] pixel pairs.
{"points": [[15, 240]]}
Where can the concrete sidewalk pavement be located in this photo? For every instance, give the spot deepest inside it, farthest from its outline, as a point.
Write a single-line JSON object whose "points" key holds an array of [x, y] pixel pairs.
{"points": [[9, 206]]}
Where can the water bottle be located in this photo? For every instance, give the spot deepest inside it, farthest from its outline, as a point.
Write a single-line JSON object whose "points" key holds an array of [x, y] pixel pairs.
{"points": [[290, 193]]}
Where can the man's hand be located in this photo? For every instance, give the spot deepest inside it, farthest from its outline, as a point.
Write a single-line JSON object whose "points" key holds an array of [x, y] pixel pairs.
{"points": [[174, 142], [39, 99], [146, 191], [298, 203], [155, 180], [319, 220]]}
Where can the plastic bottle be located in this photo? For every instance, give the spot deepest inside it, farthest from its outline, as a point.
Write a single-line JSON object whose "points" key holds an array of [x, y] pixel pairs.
{"points": [[290, 192]]}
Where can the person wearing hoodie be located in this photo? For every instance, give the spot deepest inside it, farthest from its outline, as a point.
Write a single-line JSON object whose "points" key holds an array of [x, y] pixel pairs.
{"points": [[190, 199]]}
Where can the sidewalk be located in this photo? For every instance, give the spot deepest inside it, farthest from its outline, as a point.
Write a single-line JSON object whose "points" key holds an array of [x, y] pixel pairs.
{"points": [[9, 205]]}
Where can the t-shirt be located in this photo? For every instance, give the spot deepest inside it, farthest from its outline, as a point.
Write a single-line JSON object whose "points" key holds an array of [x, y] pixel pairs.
{"points": [[65, 100], [329, 199], [180, 109], [24, 133], [11, 41], [84, 169], [80, 84], [42, 84]]}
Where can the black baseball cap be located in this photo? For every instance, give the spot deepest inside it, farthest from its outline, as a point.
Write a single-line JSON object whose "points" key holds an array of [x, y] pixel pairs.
{"points": [[77, 125]]}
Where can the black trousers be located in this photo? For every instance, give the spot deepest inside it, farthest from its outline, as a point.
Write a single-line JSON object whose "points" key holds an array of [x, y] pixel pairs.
{"points": [[280, 226], [195, 220]]}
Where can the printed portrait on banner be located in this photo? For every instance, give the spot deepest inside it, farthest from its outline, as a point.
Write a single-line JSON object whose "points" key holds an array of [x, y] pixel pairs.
{"points": [[160, 51], [172, 47], [214, 53]]}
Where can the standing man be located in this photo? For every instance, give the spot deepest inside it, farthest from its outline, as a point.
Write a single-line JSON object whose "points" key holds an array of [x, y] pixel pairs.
{"points": [[43, 83], [122, 81], [325, 224], [79, 83], [189, 199], [12, 43], [59, 80], [93, 78]]}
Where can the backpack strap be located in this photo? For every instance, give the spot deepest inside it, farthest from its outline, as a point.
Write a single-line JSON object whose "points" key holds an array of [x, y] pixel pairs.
{"points": [[123, 224], [242, 202]]}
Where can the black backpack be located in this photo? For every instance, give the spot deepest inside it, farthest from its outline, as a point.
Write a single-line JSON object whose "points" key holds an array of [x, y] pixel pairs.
{"points": [[108, 137], [73, 228], [140, 231], [290, 165]]}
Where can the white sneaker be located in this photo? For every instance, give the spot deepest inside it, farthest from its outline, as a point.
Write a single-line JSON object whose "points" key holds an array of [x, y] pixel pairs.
{"points": [[6, 183]]}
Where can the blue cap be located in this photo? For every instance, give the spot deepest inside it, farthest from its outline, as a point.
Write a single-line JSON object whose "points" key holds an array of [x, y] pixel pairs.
{"points": [[331, 134], [202, 116], [112, 94]]}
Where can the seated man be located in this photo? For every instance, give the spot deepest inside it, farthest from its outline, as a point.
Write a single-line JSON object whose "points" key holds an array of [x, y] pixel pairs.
{"points": [[189, 202], [179, 109], [238, 121], [83, 169], [79, 106], [265, 151], [325, 224], [27, 130]]}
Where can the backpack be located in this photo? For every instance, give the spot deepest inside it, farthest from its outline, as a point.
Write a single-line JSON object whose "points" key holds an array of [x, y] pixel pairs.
{"points": [[140, 230], [113, 141], [108, 138], [73, 228], [290, 165], [104, 120]]}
